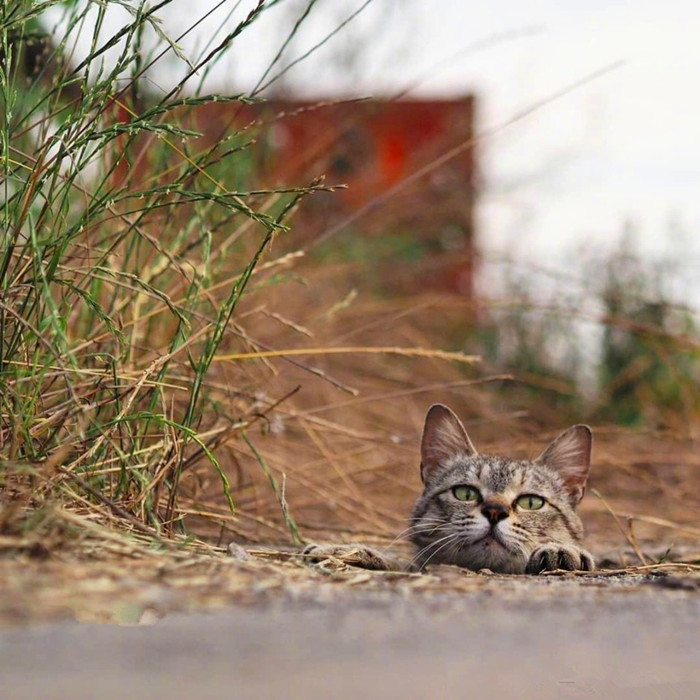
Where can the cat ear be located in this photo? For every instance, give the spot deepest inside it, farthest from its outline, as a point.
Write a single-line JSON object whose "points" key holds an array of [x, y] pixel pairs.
{"points": [[570, 456], [444, 436]]}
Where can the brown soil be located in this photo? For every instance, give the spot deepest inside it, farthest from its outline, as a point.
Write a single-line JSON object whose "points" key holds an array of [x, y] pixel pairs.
{"points": [[142, 586]]}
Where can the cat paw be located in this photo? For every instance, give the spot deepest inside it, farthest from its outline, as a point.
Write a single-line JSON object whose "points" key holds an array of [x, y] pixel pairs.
{"points": [[353, 554], [550, 557]]}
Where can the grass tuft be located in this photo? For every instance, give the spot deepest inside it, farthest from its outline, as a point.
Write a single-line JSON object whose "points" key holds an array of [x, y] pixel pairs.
{"points": [[115, 295]]}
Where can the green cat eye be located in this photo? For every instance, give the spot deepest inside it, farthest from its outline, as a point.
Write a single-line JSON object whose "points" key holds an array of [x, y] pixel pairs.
{"points": [[530, 502], [465, 493]]}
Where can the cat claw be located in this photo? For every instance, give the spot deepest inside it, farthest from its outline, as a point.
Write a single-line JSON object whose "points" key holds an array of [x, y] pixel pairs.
{"points": [[550, 557]]}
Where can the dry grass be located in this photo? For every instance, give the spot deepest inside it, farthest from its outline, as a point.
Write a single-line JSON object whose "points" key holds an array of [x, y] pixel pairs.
{"points": [[342, 450]]}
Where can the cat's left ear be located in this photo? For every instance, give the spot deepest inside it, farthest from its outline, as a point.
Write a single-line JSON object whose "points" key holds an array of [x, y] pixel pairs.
{"points": [[570, 456]]}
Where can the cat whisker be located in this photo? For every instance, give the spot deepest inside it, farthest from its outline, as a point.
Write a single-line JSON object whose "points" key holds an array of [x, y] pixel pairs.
{"points": [[422, 532], [421, 528], [444, 528], [439, 544], [426, 526], [448, 541], [424, 523]]}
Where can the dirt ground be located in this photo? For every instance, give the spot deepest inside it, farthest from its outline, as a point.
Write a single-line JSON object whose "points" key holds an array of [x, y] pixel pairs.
{"points": [[641, 515], [144, 586]]}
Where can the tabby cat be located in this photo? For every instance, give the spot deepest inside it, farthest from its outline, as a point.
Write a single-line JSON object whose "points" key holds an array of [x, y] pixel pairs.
{"points": [[489, 512]]}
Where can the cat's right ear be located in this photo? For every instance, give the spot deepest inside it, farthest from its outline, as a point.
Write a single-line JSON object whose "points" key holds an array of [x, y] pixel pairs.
{"points": [[444, 436]]}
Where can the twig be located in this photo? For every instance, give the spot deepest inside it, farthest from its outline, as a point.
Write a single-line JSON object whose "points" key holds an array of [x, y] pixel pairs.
{"points": [[293, 529], [404, 352], [630, 540], [633, 538], [621, 572], [116, 509]]}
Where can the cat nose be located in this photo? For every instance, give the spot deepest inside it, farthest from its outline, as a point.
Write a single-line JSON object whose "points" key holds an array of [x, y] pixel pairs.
{"points": [[494, 511]]}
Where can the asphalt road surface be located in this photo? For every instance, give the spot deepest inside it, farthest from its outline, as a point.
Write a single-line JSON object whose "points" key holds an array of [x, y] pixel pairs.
{"points": [[643, 644]]}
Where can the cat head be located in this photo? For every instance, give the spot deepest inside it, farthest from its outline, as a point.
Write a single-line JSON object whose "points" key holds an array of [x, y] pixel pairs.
{"points": [[485, 511], [568, 456]]}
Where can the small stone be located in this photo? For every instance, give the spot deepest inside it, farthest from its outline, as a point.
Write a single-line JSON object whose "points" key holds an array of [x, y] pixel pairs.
{"points": [[237, 552]]}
